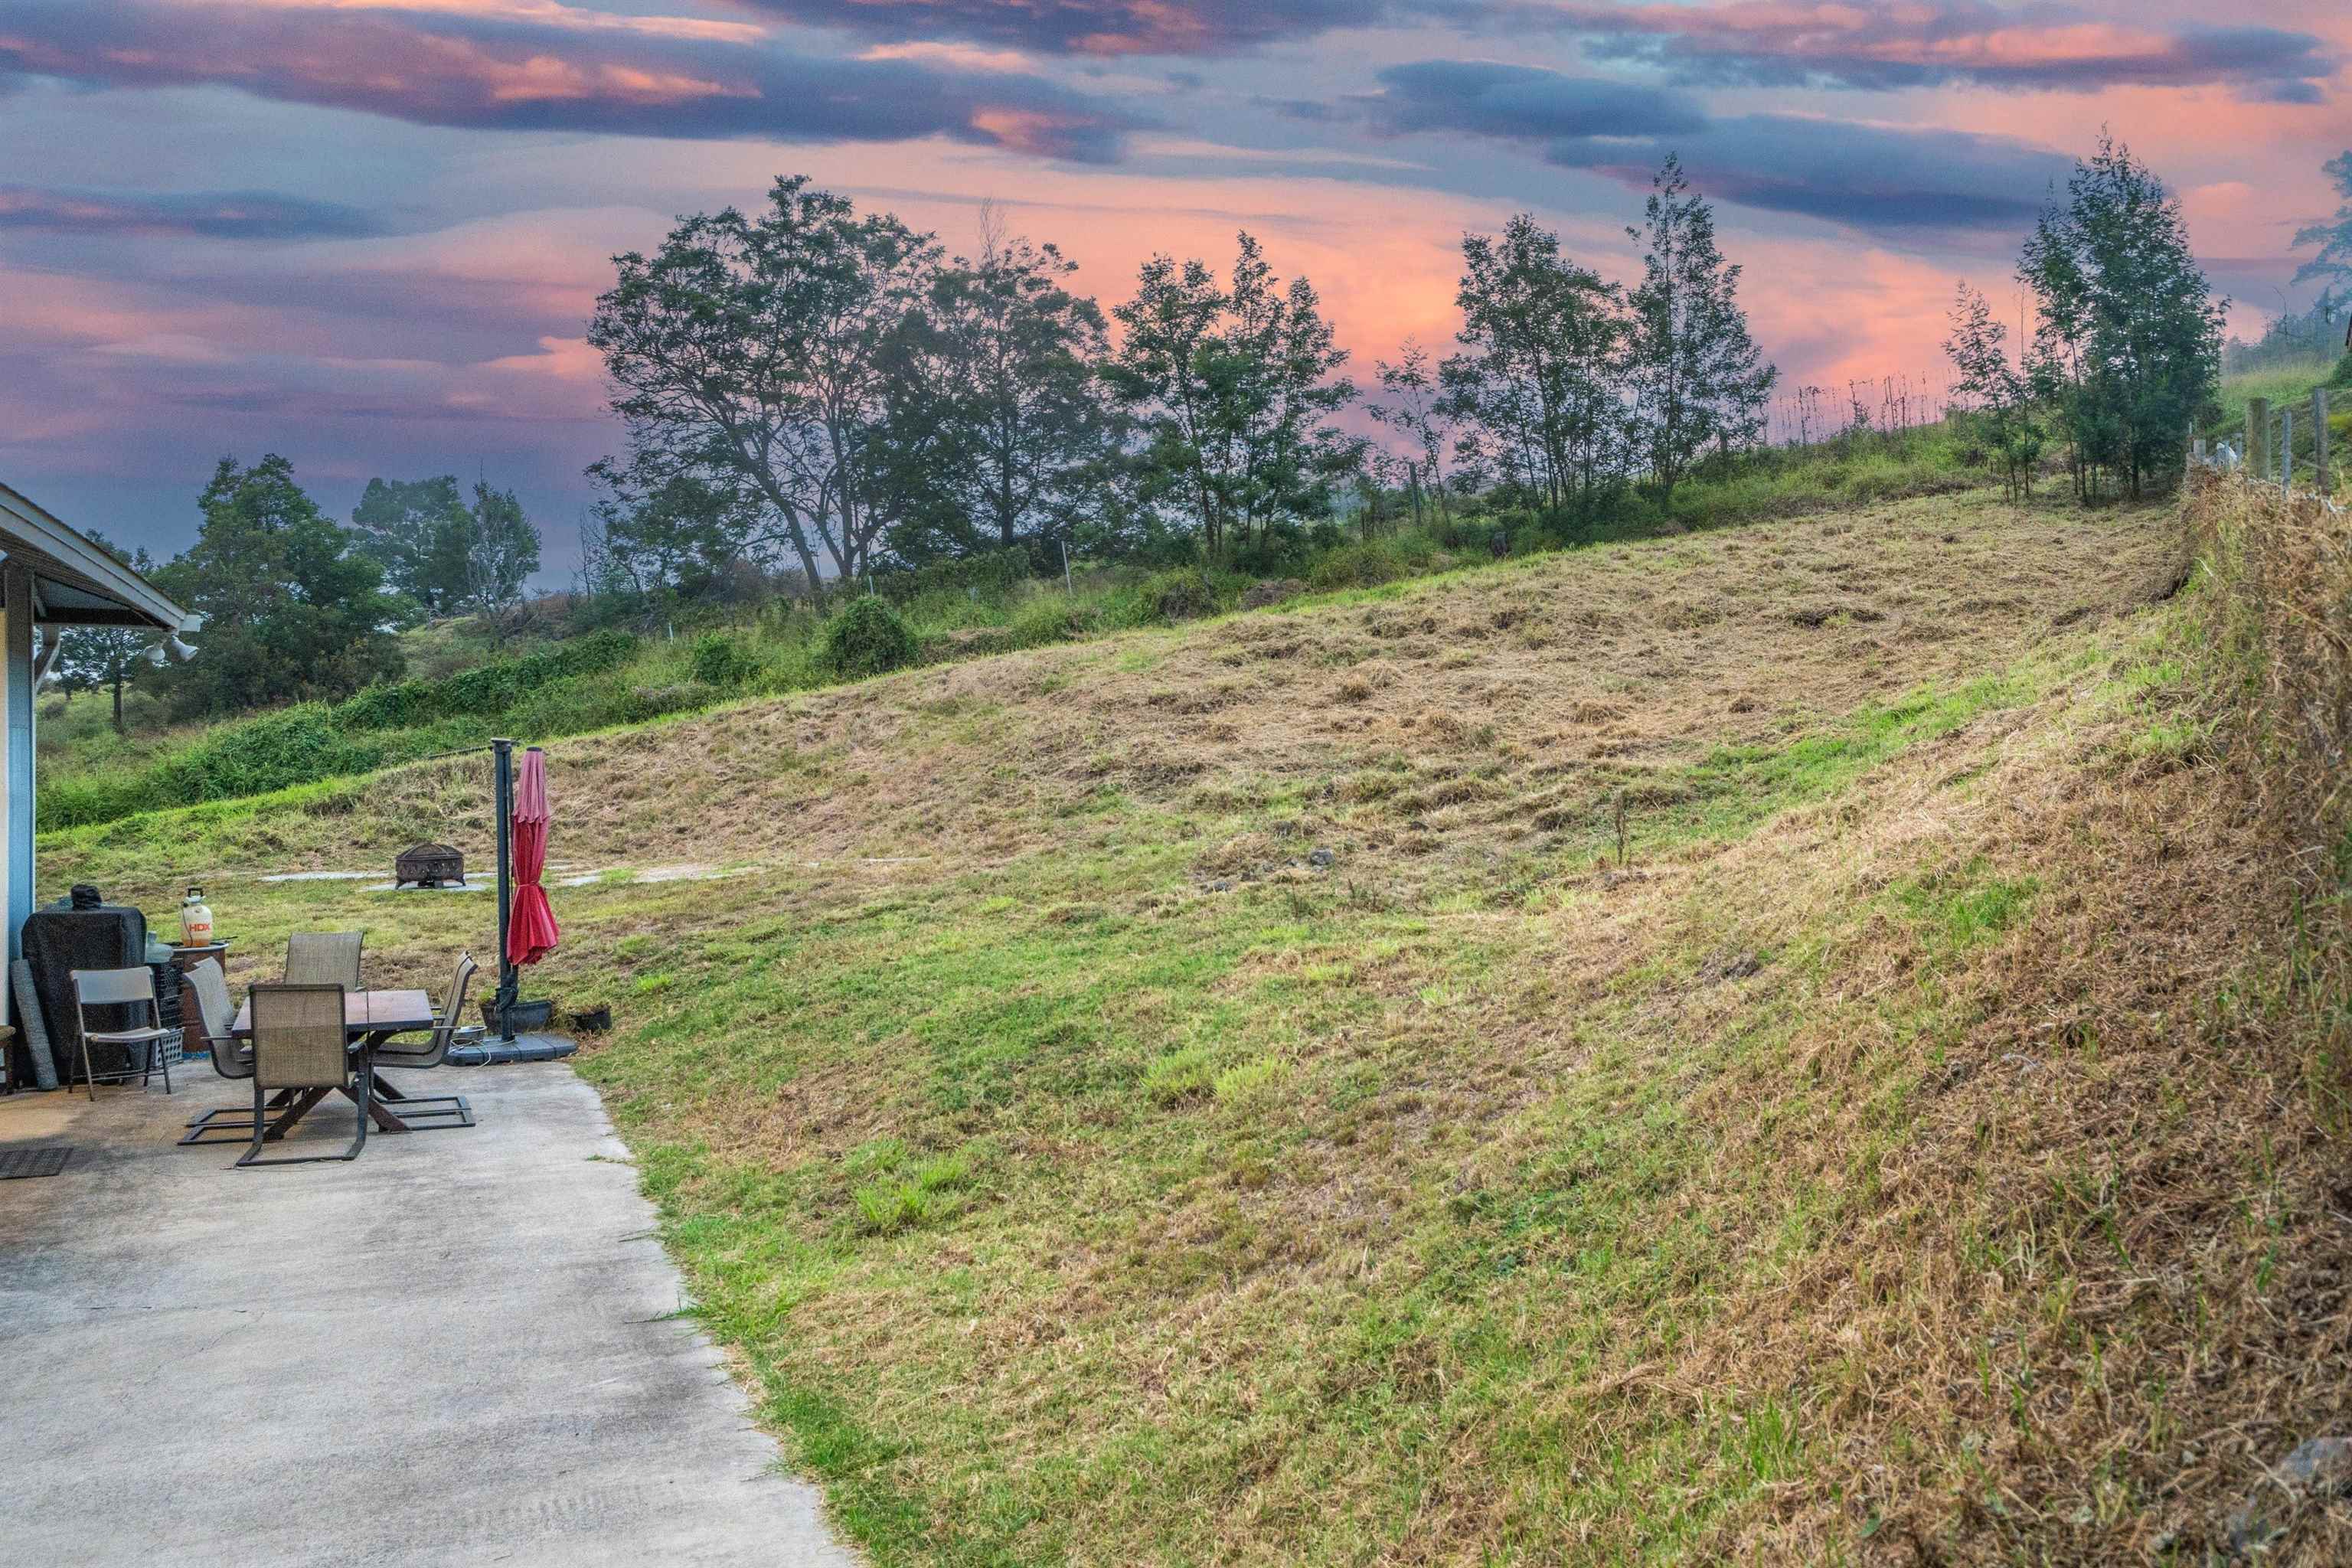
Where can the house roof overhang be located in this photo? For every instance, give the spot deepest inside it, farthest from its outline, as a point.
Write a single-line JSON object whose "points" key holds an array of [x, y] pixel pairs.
{"points": [[75, 581]]}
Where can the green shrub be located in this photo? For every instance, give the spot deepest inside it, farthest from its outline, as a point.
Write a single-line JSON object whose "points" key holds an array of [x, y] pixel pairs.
{"points": [[721, 661], [294, 745], [1050, 619], [1356, 566], [1180, 593], [870, 638], [485, 690]]}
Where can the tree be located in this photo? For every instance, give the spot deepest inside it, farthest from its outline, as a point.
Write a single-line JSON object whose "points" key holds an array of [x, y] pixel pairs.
{"points": [[1979, 350], [104, 659], [501, 553], [998, 419], [448, 555], [1538, 375], [749, 354], [418, 530], [2127, 348], [1417, 409], [290, 610], [2334, 238], [1698, 378], [1232, 389], [654, 533]]}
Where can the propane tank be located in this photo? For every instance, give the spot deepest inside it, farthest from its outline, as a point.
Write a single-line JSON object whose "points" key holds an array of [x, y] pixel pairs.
{"points": [[195, 920]]}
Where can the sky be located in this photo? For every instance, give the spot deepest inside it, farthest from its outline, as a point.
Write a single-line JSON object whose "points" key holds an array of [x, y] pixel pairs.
{"points": [[368, 233]]}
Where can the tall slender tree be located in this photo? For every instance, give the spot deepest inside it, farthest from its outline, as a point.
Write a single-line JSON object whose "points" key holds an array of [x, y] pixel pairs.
{"points": [[1698, 378], [1232, 389], [1413, 404], [1984, 375], [1537, 376], [104, 659], [2128, 346], [502, 552]]}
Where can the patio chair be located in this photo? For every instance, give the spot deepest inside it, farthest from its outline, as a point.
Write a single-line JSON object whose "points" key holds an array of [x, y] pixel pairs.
{"points": [[437, 1110], [143, 1042], [232, 1057], [299, 1043], [324, 958]]}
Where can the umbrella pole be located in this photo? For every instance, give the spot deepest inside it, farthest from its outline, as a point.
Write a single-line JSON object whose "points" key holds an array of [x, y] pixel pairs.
{"points": [[509, 982]]}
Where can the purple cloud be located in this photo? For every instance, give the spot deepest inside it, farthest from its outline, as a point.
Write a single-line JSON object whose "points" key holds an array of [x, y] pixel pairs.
{"points": [[1770, 43], [449, 69], [1866, 176], [197, 214], [1093, 27], [1521, 101]]}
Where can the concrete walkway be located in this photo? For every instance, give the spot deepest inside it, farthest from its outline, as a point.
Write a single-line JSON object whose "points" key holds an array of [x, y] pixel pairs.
{"points": [[458, 1348]]}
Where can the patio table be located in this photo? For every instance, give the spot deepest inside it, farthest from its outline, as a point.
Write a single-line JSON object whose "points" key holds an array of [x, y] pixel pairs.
{"points": [[370, 1018]]}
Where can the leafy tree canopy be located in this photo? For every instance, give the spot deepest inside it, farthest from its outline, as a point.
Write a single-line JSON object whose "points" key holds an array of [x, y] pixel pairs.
{"points": [[291, 611]]}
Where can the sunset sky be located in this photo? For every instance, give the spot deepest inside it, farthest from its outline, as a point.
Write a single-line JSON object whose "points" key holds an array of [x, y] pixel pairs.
{"points": [[367, 233]]}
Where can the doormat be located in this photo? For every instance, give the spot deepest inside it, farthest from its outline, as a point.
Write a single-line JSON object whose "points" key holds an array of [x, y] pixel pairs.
{"points": [[37, 1160]]}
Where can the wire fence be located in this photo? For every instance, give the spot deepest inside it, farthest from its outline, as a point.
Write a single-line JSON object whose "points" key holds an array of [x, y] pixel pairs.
{"points": [[2283, 445], [1811, 415]]}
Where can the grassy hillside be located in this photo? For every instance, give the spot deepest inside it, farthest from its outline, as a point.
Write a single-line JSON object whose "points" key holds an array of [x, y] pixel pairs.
{"points": [[1219, 1094], [463, 688]]}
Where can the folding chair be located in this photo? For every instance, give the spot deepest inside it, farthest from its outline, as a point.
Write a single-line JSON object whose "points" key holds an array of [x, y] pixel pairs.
{"points": [[324, 958], [122, 988], [299, 1043]]}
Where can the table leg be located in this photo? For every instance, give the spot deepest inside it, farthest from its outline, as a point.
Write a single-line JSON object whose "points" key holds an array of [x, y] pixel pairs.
{"points": [[299, 1108], [386, 1120]]}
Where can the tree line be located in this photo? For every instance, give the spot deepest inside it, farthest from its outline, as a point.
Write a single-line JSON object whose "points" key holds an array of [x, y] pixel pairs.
{"points": [[814, 395], [296, 605], [829, 391]]}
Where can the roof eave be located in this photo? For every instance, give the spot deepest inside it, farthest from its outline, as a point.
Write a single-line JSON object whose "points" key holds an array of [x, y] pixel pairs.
{"points": [[85, 565]]}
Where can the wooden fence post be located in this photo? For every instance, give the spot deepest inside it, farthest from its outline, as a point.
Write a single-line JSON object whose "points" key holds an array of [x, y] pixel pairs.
{"points": [[2286, 447], [2319, 475], [2258, 437]]}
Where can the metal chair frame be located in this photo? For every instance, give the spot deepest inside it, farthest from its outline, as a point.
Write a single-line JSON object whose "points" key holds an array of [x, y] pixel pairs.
{"points": [[122, 988], [426, 1112], [295, 1053], [232, 1057]]}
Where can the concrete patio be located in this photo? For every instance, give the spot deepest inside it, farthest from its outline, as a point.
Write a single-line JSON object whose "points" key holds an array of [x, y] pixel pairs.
{"points": [[461, 1348]]}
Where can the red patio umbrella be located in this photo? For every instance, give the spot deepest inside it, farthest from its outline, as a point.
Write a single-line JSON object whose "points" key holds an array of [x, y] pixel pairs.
{"points": [[530, 924]]}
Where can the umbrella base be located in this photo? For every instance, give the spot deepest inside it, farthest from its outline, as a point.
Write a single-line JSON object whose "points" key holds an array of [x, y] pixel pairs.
{"points": [[521, 1016], [494, 1052]]}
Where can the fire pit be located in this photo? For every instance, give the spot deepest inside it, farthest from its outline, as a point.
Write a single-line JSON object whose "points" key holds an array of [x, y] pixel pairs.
{"points": [[429, 866]]}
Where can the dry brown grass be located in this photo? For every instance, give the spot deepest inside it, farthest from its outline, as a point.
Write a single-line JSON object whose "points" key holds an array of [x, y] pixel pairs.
{"points": [[1546, 680]]}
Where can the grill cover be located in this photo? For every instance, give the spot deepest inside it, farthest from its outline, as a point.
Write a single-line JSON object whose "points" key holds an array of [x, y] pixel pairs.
{"points": [[61, 939]]}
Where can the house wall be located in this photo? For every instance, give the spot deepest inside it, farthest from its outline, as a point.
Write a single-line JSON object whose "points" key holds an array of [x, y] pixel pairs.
{"points": [[16, 755]]}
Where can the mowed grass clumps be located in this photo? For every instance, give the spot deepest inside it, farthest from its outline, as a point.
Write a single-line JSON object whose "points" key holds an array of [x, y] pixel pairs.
{"points": [[1140, 1102]]}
